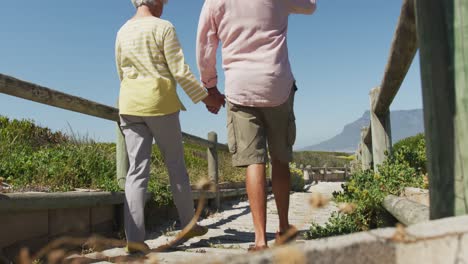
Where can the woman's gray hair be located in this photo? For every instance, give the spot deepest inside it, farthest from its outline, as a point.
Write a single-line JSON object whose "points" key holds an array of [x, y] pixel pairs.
{"points": [[138, 3]]}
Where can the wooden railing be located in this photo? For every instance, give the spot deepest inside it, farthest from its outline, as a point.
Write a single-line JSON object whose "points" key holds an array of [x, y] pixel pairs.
{"points": [[33, 92], [327, 174], [439, 29], [376, 139]]}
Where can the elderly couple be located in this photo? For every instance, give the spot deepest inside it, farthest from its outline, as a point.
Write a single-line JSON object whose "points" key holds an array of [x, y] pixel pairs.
{"points": [[259, 89]]}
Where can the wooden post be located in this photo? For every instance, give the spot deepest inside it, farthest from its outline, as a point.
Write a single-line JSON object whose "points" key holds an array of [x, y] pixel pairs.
{"points": [[366, 149], [213, 172], [270, 170], [310, 173], [381, 131], [121, 158], [346, 171], [325, 173], [306, 174], [358, 153], [442, 29]]}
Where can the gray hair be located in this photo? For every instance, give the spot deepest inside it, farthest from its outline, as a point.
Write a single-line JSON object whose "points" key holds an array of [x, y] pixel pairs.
{"points": [[138, 3]]}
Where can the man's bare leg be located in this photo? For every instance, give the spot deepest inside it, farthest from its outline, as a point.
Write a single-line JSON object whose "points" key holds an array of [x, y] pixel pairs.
{"points": [[255, 185], [281, 185]]}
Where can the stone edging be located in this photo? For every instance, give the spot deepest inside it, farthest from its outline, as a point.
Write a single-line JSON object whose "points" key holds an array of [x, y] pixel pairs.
{"points": [[440, 241]]}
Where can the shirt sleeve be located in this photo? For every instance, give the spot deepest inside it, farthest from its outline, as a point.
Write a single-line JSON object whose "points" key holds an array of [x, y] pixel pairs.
{"points": [[179, 69], [302, 6], [207, 44]]}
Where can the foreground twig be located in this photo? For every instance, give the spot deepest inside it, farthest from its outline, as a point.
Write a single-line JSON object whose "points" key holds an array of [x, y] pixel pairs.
{"points": [[317, 200], [54, 252], [186, 229]]}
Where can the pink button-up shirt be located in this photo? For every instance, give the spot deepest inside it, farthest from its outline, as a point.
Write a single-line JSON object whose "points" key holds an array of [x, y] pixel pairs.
{"points": [[254, 48]]}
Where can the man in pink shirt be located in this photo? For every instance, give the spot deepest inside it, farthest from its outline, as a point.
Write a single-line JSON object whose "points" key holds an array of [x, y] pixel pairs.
{"points": [[260, 90]]}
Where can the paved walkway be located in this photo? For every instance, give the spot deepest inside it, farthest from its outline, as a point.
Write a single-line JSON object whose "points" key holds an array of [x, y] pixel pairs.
{"points": [[231, 230]]}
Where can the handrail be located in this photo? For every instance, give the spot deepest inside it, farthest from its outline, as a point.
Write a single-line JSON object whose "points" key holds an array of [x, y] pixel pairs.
{"points": [[439, 33], [33, 92], [376, 139], [328, 168], [43, 95], [402, 52], [40, 94]]}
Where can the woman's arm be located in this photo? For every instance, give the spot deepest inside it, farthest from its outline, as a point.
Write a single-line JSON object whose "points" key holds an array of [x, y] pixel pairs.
{"points": [[117, 59], [179, 69]]}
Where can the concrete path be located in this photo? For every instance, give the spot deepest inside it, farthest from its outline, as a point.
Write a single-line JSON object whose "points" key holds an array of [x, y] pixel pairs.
{"points": [[231, 230]]}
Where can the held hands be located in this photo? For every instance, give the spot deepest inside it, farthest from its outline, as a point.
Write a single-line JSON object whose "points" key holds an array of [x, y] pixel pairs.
{"points": [[214, 100]]}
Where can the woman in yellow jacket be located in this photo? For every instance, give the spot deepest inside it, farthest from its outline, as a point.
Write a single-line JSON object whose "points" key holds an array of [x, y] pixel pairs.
{"points": [[150, 63]]}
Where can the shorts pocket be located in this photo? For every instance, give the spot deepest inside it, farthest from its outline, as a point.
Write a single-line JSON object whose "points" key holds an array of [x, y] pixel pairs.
{"points": [[231, 134], [291, 129]]}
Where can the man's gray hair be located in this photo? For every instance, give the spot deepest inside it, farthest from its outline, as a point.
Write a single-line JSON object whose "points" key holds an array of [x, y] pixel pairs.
{"points": [[138, 3]]}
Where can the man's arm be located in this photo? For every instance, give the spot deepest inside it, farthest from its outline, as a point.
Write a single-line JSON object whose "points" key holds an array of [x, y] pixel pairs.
{"points": [[306, 7], [207, 44], [179, 69]]}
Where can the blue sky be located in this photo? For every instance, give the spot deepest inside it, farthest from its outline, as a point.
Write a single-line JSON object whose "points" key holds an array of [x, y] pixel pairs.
{"points": [[338, 55]]}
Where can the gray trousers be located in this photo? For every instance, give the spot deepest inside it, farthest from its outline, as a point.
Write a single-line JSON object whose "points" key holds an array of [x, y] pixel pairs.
{"points": [[139, 133]]}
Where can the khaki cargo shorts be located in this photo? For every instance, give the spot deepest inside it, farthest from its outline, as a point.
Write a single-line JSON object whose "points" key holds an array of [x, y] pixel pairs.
{"points": [[252, 129]]}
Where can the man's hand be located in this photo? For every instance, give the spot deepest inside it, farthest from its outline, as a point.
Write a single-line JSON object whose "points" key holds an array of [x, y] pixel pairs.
{"points": [[214, 100]]}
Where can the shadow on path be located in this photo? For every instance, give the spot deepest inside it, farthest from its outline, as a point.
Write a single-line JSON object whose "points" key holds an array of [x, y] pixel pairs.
{"points": [[230, 237]]}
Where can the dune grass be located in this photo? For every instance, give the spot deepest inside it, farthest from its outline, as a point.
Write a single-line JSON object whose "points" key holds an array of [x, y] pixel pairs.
{"points": [[34, 158]]}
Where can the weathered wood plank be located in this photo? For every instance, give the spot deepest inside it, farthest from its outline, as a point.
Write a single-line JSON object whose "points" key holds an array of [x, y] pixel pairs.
{"points": [[381, 132], [43, 95], [402, 52], [310, 168], [203, 142], [366, 149], [406, 211], [366, 135], [461, 105], [213, 168], [358, 152], [442, 30], [122, 161], [17, 202], [35, 201]]}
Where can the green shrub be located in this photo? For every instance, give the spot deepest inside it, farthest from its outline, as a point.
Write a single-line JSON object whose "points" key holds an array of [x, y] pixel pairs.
{"points": [[338, 224], [61, 167], [26, 133], [412, 151], [161, 192], [35, 158], [297, 178], [228, 173], [321, 158], [366, 189]]}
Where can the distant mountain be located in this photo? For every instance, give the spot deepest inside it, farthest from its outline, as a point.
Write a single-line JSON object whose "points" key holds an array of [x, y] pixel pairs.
{"points": [[404, 123]]}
